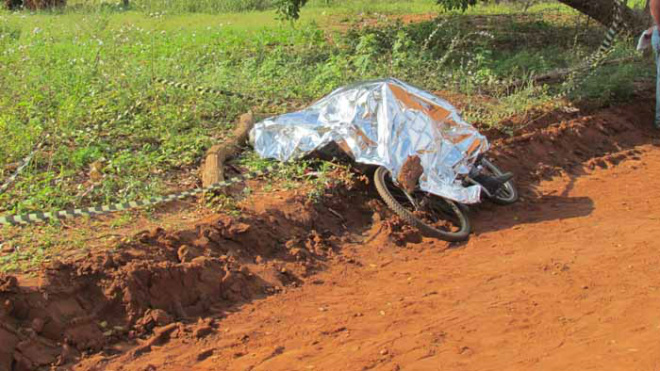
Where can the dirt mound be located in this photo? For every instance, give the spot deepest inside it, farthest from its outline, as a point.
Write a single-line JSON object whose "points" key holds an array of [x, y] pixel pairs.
{"points": [[160, 279], [547, 149]]}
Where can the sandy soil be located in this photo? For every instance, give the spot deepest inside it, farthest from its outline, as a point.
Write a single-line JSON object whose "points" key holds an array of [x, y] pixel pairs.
{"points": [[567, 279]]}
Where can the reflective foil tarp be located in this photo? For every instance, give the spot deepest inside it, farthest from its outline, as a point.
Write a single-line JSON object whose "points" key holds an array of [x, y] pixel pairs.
{"points": [[382, 122]]}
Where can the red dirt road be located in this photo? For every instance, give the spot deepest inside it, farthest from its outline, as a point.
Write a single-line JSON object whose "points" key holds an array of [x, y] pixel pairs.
{"points": [[567, 281]]}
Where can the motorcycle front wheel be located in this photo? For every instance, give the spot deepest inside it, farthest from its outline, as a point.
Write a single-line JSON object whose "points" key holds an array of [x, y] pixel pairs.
{"points": [[507, 194]]}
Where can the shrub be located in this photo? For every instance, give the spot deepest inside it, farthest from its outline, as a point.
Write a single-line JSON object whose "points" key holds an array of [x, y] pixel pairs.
{"points": [[34, 4]]}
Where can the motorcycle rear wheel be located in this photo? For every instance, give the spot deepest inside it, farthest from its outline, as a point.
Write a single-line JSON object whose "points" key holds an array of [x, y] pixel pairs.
{"points": [[434, 216]]}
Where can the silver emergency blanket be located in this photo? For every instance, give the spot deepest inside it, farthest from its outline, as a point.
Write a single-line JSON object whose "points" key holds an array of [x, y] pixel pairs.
{"points": [[382, 122]]}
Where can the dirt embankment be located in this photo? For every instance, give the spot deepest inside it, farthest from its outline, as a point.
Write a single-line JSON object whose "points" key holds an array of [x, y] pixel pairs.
{"points": [[163, 278], [578, 144], [122, 304]]}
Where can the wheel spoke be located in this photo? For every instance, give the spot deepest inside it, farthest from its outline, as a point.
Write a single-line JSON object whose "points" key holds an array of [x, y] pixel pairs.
{"points": [[503, 192], [412, 201]]}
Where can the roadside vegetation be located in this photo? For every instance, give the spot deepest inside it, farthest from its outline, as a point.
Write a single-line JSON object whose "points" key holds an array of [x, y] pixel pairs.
{"points": [[67, 75]]}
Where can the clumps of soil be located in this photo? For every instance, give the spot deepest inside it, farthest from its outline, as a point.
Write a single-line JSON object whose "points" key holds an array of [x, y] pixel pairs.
{"points": [[145, 289], [400, 232], [389, 227]]}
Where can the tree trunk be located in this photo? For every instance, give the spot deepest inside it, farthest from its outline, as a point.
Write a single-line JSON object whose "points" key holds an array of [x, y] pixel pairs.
{"points": [[213, 170], [603, 11]]}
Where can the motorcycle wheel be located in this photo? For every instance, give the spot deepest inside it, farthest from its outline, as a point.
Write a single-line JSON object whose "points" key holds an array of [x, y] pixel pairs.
{"points": [[433, 216], [506, 195]]}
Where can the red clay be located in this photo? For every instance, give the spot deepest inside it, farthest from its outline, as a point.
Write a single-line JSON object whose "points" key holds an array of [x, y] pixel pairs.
{"points": [[564, 280]]}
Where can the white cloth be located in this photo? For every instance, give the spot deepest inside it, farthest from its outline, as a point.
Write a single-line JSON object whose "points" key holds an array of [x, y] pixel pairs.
{"points": [[645, 40]]}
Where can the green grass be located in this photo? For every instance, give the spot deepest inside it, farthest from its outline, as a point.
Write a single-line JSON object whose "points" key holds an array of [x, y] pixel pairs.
{"points": [[314, 7], [70, 74]]}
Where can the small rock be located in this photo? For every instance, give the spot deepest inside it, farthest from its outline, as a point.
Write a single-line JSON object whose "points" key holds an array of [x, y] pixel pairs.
{"points": [[384, 352]]}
